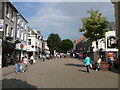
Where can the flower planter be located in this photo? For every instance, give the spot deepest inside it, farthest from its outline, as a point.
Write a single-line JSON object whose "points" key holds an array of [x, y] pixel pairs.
{"points": [[104, 66]]}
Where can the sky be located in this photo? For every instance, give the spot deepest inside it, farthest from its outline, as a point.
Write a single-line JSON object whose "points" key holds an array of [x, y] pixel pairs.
{"points": [[63, 18]]}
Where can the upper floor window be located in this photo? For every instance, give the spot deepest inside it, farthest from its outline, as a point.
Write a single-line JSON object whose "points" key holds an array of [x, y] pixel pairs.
{"points": [[22, 24], [11, 31], [12, 15], [18, 33], [18, 20], [6, 29], [25, 37], [29, 41], [22, 36], [7, 11]]}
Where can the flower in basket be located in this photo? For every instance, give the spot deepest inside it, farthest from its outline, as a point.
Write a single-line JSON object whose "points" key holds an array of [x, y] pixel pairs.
{"points": [[104, 62]]}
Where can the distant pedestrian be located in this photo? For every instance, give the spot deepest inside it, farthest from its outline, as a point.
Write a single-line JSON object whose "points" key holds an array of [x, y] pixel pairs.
{"points": [[110, 63], [87, 62], [17, 66], [31, 59], [43, 56], [25, 63], [98, 64], [73, 55]]}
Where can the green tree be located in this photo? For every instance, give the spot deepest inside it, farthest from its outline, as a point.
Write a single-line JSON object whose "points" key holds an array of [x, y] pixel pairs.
{"points": [[94, 26], [66, 45], [53, 42]]}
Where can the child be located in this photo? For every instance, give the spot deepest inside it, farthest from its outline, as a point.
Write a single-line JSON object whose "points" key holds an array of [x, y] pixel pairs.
{"points": [[98, 64]]}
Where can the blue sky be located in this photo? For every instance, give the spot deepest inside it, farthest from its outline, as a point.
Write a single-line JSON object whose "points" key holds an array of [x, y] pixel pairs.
{"points": [[63, 18]]}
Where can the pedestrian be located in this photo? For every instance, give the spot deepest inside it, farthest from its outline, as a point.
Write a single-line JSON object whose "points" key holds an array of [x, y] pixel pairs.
{"points": [[73, 55], [17, 65], [31, 59], [110, 63], [98, 64], [25, 63], [87, 62], [43, 56], [47, 56]]}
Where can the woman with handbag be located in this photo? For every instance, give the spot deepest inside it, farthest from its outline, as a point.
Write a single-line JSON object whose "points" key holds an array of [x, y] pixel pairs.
{"points": [[87, 62]]}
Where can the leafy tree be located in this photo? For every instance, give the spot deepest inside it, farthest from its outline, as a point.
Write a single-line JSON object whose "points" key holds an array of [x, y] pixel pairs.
{"points": [[94, 26], [53, 42], [66, 45]]}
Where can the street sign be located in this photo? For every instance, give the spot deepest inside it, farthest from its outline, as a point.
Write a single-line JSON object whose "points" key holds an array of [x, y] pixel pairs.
{"points": [[1, 24]]}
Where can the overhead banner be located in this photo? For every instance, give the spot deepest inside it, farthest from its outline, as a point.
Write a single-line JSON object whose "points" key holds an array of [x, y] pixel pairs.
{"points": [[1, 24]]}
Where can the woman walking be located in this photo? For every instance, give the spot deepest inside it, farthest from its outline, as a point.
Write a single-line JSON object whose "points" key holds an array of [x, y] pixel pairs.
{"points": [[87, 62], [25, 62]]}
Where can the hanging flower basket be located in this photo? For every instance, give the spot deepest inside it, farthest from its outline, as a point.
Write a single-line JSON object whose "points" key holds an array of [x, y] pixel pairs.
{"points": [[9, 38], [17, 41]]}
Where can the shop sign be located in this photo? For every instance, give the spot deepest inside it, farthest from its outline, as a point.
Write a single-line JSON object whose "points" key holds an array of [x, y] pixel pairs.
{"points": [[1, 24], [111, 55]]}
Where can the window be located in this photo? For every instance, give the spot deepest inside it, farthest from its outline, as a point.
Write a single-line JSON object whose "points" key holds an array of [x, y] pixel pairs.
{"points": [[25, 37], [7, 11], [11, 31], [6, 29], [12, 15], [18, 20], [29, 41], [18, 33], [22, 24], [110, 28], [21, 35]]}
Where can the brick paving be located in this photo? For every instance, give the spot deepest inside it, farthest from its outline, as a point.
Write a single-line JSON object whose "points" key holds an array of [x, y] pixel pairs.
{"points": [[58, 73]]}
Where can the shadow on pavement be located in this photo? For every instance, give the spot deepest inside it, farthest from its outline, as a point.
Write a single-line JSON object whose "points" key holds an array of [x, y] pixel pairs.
{"points": [[115, 70], [82, 70], [77, 65], [14, 83]]}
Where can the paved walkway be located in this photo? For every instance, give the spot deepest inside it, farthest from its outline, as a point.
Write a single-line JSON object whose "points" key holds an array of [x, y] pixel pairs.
{"points": [[59, 73]]}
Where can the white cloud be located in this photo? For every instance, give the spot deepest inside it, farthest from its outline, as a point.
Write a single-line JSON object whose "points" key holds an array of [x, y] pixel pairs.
{"points": [[65, 18]]}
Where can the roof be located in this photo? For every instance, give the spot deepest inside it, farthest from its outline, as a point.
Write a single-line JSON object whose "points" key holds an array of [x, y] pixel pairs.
{"points": [[78, 40]]}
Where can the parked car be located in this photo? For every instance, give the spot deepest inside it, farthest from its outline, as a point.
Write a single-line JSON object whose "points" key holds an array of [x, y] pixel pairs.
{"points": [[116, 62]]}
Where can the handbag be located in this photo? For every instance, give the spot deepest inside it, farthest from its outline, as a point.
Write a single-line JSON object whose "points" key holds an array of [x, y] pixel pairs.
{"points": [[90, 65]]}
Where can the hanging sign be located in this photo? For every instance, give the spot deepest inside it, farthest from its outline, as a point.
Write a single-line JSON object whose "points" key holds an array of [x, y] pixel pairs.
{"points": [[1, 24]]}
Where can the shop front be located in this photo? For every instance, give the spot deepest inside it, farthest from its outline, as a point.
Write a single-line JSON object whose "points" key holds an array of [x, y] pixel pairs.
{"points": [[8, 54]]}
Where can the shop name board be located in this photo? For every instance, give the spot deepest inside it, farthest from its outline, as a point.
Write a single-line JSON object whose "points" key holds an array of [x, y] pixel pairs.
{"points": [[1, 24]]}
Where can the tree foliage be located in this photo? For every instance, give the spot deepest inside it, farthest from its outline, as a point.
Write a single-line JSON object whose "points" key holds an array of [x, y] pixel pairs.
{"points": [[53, 42], [66, 45], [94, 26]]}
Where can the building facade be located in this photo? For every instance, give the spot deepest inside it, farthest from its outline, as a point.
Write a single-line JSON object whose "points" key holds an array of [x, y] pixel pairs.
{"points": [[34, 43], [9, 16], [21, 38], [117, 22], [107, 45]]}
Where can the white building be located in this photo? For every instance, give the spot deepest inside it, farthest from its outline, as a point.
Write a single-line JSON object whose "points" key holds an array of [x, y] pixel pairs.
{"points": [[34, 43], [106, 46], [21, 38]]}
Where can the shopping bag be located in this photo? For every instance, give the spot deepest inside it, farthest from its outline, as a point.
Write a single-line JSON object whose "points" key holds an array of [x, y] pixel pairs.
{"points": [[21, 67], [90, 65], [34, 61]]}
